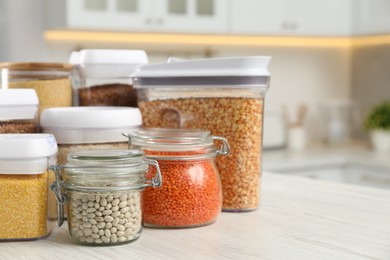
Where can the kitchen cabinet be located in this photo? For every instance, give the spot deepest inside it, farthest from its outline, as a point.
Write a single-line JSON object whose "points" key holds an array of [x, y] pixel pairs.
{"points": [[191, 16], [291, 17], [371, 17]]}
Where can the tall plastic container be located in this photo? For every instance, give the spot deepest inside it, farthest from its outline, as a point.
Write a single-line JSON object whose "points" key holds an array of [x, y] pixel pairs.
{"points": [[222, 95], [100, 76], [24, 162]]}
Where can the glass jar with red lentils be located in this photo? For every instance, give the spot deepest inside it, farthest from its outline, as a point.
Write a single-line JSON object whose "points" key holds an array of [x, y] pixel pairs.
{"points": [[191, 193]]}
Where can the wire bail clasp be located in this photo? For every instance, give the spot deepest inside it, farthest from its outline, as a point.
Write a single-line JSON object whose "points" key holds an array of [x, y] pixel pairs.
{"points": [[224, 149], [56, 188], [156, 181]]}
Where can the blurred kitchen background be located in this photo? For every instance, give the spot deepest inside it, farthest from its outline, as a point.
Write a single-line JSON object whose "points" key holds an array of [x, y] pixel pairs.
{"points": [[330, 62]]}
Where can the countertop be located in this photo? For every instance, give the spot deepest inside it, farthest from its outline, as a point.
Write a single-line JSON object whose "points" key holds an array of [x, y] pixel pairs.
{"points": [[318, 154], [299, 219]]}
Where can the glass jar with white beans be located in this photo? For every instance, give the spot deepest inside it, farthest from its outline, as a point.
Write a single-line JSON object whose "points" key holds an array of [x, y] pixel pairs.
{"points": [[102, 191]]}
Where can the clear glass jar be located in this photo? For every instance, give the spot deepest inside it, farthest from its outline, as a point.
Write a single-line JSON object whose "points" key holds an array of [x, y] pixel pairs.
{"points": [[24, 160], [102, 190], [191, 193], [222, 95], [101, 76], [51, 81]]}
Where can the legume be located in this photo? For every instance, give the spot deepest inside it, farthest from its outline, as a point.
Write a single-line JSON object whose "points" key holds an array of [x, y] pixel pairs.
{"points": [[23, 206], [63, 151], [190, 195], [239, 120], [92, 218]]}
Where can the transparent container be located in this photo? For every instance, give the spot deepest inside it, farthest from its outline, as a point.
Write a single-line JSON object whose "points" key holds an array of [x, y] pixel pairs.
{"points": [[88, 128], [191, 193], [102, 189], [51, 81], [18, 111], [101, 76], [24, 160], [222, 95]]}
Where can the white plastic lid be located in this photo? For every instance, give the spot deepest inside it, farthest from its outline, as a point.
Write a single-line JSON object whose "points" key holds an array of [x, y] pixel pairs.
{"points": [[108, 64], [18, 104], [108, 56], [26, 153], [214, 67], [79, 125]]}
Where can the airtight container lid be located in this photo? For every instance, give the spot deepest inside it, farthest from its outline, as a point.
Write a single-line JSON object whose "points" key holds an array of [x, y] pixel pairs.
{"points": [[26, 153], [86, 125], [18, 104], [250, 70], [98, 63]]}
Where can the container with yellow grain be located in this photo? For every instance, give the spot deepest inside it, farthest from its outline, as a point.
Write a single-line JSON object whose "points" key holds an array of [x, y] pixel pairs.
{"points": [[52, 81], [222, 95], [24, 161]]}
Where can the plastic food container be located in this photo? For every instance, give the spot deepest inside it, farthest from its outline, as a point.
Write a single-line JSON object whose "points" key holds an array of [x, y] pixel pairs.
{"points": [[51, 81], [24, 160], [191, 193], [101, 77], [88, 128], [103, 190], [18, 111], [222, 95]]}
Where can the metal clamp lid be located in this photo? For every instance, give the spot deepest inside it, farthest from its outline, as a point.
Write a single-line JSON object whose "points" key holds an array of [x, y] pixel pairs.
{"points": [[58, 185]]}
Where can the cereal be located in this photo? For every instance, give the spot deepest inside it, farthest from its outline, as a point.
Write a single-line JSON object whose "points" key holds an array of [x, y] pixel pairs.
{"points": [[189, 196], [103, 230], [115, 94], [23, 206], [239, 120], [18, 127], [51, 92]]}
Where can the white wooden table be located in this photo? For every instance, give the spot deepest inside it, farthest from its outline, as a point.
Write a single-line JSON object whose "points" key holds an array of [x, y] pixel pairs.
{"points": [[299, 219]]}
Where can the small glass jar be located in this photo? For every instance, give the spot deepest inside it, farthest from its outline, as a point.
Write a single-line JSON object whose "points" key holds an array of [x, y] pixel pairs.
{"points": [[222, 95], [102, 189], [24, 160], [18, 111], [101, 76], [51, 81], [191, 193]]}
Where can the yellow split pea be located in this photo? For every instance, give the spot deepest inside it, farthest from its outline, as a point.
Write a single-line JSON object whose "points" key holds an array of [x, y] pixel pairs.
{"points": [[23, 206]]}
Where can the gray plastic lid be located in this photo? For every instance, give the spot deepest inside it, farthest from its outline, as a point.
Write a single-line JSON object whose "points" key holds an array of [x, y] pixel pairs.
{"points": [[250, 70]]}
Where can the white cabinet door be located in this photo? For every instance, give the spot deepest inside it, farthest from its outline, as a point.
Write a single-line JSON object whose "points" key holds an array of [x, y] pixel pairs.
{"points": [[371, 17], [191, 16], [291, 17], [200, 16], [315, 17], [107, 14], [257, 16]]}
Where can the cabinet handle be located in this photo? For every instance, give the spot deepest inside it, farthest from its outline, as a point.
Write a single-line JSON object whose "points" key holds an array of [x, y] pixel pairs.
{"points": [[284, 26], [160, 21], [148, 21], [294, 26]]}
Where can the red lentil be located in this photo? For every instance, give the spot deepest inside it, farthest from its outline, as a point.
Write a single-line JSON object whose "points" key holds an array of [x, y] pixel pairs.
{"points": [[190, 195]]}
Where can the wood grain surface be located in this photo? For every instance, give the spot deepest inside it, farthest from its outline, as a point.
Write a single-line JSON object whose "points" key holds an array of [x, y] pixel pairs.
{"points": [[298, 219]]}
